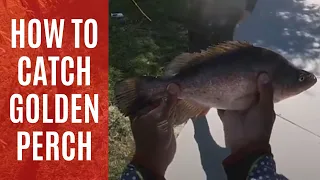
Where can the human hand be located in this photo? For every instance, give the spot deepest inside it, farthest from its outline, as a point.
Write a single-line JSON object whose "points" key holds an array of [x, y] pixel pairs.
{"points": [[154, 135], [251, 126]]}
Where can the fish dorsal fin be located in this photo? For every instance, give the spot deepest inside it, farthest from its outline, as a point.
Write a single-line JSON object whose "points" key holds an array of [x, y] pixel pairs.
{"points": [[225, 47], [186, 60], [179, 62]]}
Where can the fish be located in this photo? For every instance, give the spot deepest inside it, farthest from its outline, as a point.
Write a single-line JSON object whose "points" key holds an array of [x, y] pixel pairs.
{"points": [[223, 76]]}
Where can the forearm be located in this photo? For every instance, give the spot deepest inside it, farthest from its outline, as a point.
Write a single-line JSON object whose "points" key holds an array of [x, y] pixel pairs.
{"points": [[251, 5]]}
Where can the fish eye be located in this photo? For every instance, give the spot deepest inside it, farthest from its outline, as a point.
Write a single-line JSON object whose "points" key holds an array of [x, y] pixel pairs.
{"points": [[301, 78]]}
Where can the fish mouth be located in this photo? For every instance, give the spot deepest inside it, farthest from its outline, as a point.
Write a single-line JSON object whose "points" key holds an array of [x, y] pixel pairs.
{"points": [[311, 79], [314, 79]]}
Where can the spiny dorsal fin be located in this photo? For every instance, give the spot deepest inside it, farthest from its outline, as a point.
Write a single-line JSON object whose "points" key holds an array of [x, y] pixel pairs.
{"points": [[185, 60], [225, 47]]}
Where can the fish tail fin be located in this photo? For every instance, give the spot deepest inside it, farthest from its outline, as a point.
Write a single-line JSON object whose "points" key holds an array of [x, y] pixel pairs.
{"points": [[128, 93], [184, 110]]}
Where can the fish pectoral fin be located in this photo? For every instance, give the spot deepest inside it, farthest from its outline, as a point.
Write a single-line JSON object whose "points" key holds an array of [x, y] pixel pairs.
{"points": [[186, 109], [186, 60]]}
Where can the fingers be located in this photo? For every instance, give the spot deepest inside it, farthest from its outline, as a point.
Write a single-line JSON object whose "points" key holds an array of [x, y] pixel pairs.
{"points": [[149, 107], [265, 91], [162, 111], [146, 109], [173, 90]]}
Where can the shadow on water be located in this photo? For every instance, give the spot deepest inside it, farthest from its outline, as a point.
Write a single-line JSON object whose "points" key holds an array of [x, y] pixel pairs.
{"points": [[290, 27], [211, 154]]}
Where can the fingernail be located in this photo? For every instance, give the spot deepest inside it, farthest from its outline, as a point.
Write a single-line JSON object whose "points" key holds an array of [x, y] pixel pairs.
{"points": [[264, 78]]}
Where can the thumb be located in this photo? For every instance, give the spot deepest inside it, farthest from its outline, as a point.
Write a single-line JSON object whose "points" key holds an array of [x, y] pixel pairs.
{"points": [[265, 91], [172, 90]]}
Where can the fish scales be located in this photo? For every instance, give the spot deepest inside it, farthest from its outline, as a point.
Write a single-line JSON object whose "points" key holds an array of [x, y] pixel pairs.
{"points": [[222, 77]]}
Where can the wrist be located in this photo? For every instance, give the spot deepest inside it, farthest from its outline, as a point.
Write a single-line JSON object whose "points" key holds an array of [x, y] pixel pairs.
{"points": [[242, 152], [148, 167], [249, 146], [238, 164]]}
